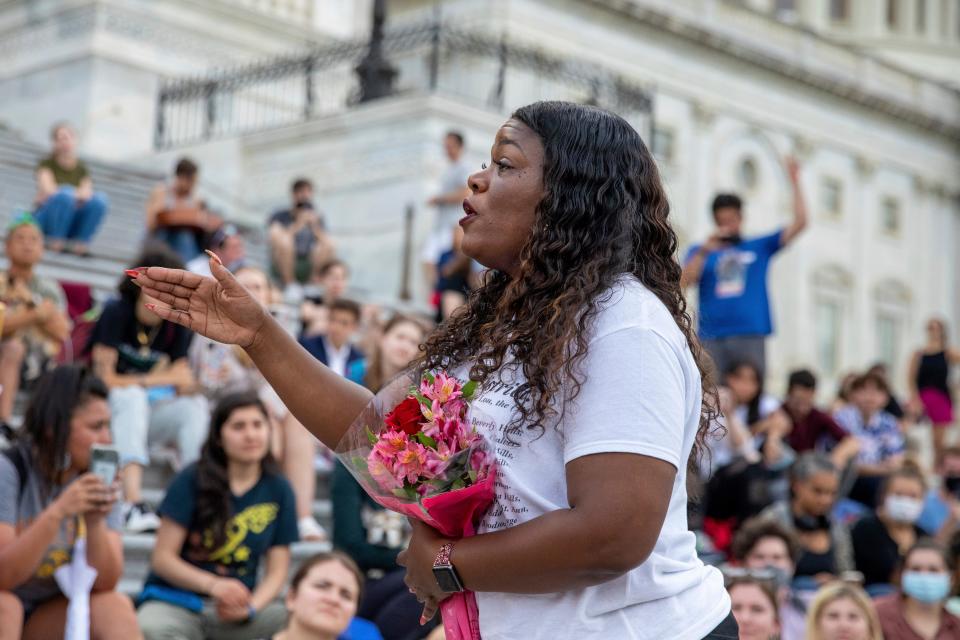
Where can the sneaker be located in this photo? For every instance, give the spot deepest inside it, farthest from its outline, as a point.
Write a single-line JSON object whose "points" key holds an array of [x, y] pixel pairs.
{"points": [[139, 518], [311, 530]]}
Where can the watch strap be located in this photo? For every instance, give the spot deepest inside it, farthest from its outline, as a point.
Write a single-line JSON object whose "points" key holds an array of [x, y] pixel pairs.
{"points": [[443, 556]]}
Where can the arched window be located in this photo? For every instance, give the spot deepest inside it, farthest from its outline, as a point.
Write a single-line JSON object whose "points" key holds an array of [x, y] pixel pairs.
{"points": [[747, 174], [832, 285], [891, 309]]}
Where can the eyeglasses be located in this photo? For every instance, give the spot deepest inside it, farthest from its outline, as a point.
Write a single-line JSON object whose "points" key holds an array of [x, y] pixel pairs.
{"points": [[736, 573]]}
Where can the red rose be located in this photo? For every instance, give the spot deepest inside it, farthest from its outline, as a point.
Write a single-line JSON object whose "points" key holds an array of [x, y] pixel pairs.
{"points": [[406, 417]]}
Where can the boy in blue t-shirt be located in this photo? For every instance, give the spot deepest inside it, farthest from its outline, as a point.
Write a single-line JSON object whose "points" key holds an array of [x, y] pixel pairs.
{"points": [[731, 272]]}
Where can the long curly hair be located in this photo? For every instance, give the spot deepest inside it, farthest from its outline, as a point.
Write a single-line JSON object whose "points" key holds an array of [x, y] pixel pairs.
{"points": [[603, 214], [214, 508]]}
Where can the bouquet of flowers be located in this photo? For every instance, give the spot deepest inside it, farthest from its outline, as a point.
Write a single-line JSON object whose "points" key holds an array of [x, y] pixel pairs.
{"points": [[415, 451]]}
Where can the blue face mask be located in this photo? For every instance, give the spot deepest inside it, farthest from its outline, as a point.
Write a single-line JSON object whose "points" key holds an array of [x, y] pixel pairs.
{"points": [[926, 587]]}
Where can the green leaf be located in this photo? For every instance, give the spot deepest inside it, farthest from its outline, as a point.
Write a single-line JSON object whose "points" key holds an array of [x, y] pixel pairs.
{"points": [[372, 438], [457, 484], [426, 440], [423, 399], [360, 463], [473, 476], [429, 377], [469, 389]]}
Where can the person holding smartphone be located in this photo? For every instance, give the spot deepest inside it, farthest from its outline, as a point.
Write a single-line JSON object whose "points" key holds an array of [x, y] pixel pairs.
{"points": [[47, 494], [731, 273]]}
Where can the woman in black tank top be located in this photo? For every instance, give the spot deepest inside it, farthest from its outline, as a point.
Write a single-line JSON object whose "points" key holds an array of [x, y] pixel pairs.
{"points": [[929, 381]]}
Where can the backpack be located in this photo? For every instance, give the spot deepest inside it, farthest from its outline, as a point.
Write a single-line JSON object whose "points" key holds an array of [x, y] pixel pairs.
{"points": [[17, 457]]}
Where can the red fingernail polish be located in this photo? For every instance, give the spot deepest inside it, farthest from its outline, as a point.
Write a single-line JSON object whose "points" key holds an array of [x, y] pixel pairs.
{"points": [[133, 273], [214, 256], [423, 620]]}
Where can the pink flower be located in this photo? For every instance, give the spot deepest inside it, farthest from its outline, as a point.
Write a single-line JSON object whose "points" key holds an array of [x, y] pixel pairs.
{"points": [[411, 463], [439, 458], [479, 461], [382, 473], [390, 443], [454, 432], [443, 389], [456, 407], [433, 413]]}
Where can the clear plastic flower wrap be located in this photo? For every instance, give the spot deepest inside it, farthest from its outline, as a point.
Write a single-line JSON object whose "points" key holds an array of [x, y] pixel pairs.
{"points": [[415, 450]]}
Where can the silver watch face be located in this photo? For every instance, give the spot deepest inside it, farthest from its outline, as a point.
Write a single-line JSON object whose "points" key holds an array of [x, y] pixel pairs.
{"points": [[447, 579]]}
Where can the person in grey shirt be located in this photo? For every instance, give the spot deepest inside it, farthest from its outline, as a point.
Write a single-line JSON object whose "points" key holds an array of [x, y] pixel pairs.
{"points": [[448, 204], [47, 499]]}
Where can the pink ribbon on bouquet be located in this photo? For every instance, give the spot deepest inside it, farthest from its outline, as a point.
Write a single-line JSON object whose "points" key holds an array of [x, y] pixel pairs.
{"points": [[454, 515]]}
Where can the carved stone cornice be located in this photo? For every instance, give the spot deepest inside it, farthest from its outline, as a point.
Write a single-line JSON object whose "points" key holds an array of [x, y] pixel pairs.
{"points": [[866, 167], [76, 23], [803, 148], [704, 115], [784, 61]]}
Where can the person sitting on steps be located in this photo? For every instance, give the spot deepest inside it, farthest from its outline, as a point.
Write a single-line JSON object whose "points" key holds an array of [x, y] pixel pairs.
{"points": [[68, 209]]}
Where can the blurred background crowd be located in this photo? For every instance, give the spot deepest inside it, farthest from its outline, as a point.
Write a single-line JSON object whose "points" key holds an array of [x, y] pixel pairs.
{"points": [[813, 178]]}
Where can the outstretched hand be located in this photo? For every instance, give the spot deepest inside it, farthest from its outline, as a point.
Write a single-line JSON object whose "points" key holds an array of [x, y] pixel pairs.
{"points": [[218, 308]]}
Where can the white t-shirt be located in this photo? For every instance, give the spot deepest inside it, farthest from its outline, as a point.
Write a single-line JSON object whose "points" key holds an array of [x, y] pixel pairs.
{"points": [[641, 394], [337, 358], [440, 239], [722, 452]]}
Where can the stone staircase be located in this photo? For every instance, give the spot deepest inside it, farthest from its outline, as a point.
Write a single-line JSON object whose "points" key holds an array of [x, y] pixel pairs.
{"points": [[119, 239]]}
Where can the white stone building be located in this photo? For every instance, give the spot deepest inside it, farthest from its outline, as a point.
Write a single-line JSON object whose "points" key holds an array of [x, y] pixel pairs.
{"points": [[863, 99]]}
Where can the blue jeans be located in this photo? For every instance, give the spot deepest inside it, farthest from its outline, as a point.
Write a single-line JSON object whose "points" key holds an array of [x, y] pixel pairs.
{"points": [[61, 219], [136, 423], [182, 241]]}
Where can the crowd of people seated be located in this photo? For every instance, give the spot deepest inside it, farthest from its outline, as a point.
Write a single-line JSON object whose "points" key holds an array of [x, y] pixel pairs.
{"points": [[825, 520], [246, 469]]}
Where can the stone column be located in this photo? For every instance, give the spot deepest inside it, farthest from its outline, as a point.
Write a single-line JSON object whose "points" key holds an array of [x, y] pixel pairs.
{"points": [[815, 13], [860, 348], [702, 158]]}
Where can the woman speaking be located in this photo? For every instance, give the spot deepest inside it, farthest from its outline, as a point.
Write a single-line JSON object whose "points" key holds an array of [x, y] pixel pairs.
{"points": [[590, 373]]}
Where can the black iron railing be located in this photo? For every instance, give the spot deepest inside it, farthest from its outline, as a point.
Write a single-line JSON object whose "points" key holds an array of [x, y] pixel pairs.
{"points": [[489, 71]]}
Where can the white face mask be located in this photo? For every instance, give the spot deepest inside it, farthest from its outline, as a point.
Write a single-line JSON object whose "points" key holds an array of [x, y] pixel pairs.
{"points": [[903, 509]]}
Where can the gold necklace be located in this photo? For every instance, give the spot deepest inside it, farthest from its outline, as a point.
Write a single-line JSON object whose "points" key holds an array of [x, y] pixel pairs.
{"points": [[145, 340]]}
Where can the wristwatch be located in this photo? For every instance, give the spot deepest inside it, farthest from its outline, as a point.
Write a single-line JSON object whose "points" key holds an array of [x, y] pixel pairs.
{"points": [[445, 573]]}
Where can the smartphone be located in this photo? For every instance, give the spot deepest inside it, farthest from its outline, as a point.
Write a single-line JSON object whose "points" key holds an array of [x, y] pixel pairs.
{"points": [[104, 462]]}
